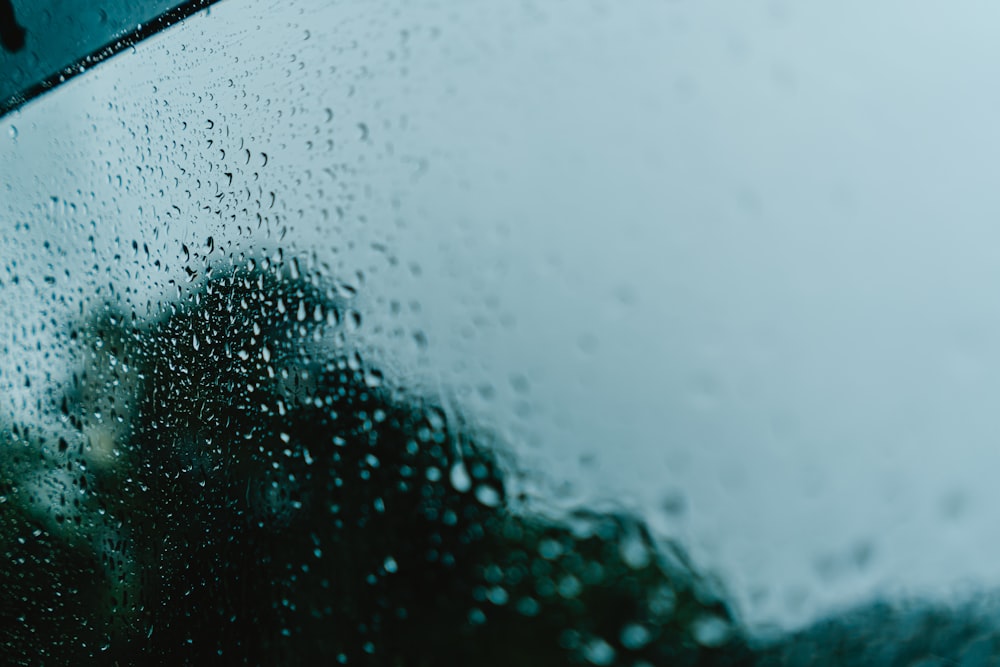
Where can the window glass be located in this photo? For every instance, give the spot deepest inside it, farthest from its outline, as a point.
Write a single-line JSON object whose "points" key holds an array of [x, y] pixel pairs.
{"points": [[43, 43], [534, 333]]}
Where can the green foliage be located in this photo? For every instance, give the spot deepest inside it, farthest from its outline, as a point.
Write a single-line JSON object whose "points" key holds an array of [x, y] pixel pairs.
{"points": [[237, 485]]}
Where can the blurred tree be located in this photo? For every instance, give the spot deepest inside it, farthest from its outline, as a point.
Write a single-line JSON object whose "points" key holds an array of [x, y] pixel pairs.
{"points": [[248, 489]]}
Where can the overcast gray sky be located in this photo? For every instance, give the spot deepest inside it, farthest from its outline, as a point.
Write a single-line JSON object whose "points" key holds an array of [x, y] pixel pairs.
{"points": [[743, 254]]}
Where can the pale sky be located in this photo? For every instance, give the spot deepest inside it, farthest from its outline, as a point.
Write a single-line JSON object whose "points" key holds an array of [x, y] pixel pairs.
{"points": [[744, 254]]}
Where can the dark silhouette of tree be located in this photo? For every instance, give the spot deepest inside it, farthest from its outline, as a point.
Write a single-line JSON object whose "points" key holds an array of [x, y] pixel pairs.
{"points": [[238, 485]]}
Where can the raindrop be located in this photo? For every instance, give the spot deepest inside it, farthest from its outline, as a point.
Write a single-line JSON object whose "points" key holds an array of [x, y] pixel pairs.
{"points": [[626, 295], [460, 478], [550, 549], [12, 132], [635, 636], [570, 587], [634, 551], [497, 595], [674, 504], [528, 607], [710, 631], [520, 384], [488, 495], [373, 378], [599, 652]]}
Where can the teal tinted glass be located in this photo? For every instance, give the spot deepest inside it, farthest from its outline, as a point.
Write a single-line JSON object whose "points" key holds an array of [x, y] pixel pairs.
{"points": [[405, 332], [46, 42]]}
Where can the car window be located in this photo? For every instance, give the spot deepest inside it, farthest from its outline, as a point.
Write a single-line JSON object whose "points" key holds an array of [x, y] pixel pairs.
{"points": [[513, 333]]}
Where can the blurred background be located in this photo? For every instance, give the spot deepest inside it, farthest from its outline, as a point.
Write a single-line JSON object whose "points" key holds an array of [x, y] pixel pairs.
{"points": [[731, 266]]}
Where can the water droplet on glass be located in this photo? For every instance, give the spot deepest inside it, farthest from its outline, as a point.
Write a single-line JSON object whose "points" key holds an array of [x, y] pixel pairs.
{"points": [[634, 551], [373, 378], [460, 478], [710, 631], [599, 652], [488, 495], [635, 636]]}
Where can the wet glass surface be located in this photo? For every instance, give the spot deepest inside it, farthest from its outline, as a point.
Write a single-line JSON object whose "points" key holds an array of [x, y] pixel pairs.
{"points": [[418, 334], [44, 43]]}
